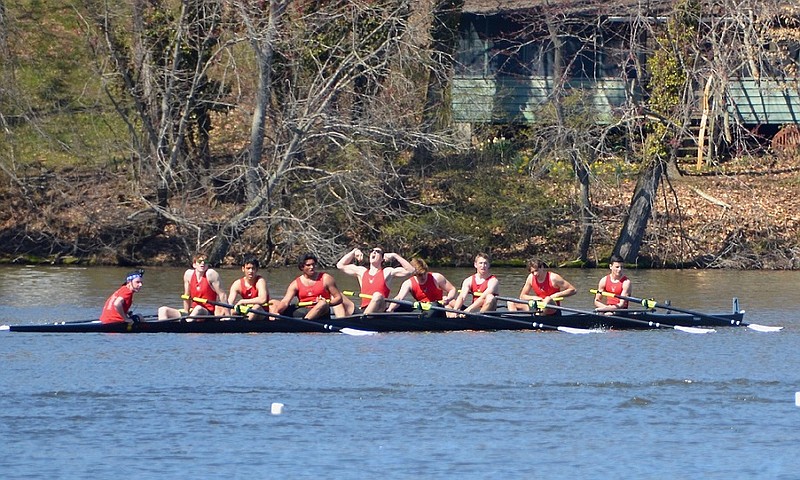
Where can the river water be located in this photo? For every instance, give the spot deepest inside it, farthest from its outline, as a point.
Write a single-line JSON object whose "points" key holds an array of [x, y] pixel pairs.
{"points": [[632, 404]]}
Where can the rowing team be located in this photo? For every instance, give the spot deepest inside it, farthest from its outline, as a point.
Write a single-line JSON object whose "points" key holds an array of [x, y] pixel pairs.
{"points": [[315, 295]]}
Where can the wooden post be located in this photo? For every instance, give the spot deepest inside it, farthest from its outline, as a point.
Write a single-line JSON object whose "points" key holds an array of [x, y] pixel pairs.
{"points": [[701, 136]]}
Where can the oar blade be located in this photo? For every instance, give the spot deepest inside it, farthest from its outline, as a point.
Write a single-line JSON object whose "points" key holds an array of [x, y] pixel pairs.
{"points": [[355, 332], [693, 329], [577, 331], [763, 328]]}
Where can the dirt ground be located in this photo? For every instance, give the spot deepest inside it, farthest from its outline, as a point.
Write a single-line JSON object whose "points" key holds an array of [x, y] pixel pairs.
{"points": [[746, 217]]}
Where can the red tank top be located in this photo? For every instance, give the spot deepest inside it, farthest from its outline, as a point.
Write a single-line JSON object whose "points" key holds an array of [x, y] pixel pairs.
{"points": [[426, 292], [475, 288], [545, 288], [615, 288], [201, 289], [371, 284], [312, 293], [250, 292], [110, 314]]}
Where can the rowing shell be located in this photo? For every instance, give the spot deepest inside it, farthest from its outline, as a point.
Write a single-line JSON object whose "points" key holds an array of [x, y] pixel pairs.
{"points": [[414, 321]]}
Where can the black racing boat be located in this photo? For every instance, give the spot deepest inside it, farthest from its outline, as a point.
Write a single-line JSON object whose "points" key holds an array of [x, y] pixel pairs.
{"points": [[413, 321]]}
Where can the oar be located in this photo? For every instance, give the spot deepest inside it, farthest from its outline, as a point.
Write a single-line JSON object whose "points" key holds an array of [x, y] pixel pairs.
{"points": [[299, 304], [649, 303], [187, 318], [326, 326], [541, 305], [433, 306], [92, 320]]}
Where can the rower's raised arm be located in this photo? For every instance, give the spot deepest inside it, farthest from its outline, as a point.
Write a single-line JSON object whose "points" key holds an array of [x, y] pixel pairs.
{"points": [[405, 269], [346, 265]]}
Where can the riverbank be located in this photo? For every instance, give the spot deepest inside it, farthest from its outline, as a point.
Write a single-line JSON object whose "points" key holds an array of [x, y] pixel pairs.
{"points": [[746, 215]]}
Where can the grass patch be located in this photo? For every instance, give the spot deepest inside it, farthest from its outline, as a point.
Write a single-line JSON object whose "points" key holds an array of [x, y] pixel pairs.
{"points": [[58, 113]]}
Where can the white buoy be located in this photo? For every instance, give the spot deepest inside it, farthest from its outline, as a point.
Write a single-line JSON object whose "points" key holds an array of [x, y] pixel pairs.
{"points": [[277, 408], [797, 399]]}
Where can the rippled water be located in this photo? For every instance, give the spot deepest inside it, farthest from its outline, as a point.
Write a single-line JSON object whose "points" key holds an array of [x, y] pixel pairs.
{"points": [[645, 404]]}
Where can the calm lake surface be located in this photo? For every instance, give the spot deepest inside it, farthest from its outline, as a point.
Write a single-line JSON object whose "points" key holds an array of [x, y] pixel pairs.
{"points": [[639, 404]]}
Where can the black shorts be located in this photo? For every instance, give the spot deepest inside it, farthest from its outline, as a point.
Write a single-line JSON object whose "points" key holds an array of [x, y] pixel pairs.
{"points": [[300, 312]]}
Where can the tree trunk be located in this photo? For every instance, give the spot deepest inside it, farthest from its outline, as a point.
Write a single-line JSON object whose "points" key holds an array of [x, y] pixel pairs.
{"points": [[630, 237], [587, 229], [264, 50], [567, 141], [231, 231], [444, 39], [3, 28]]}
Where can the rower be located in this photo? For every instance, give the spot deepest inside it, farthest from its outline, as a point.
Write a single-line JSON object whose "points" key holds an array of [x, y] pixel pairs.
{"points": [[615, 283], [544, 285], [199, 281], [252, 288], [425, 286], [482, 286], [316, 292], [375, 279], [118, 306]]}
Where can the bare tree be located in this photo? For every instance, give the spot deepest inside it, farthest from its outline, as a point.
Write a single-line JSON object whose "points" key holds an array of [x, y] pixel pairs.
{"points": [[444, 40], [337, 119], [5, 70], [336, 97], [163, 68], [568, 127]]}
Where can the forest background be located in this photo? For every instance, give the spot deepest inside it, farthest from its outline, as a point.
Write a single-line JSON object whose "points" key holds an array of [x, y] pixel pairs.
{"points": [[140, 132]]}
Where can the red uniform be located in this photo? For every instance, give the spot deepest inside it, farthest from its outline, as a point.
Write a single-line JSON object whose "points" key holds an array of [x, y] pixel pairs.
{"points": [[250, 292], [371, 284], [110, 314], [201, 289], [544, 289], [314, 292], [426, 292], [475, 289], [615, 288]]}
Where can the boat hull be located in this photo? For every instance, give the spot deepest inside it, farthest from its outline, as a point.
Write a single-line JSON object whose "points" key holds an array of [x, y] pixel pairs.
{"points": [[504, 320], [417, 321]]}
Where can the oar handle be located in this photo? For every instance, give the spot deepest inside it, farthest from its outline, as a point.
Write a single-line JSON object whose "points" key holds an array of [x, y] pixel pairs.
{"points": [[350, 293], [537, 304], [239, 308], [645, 302], [425, 306]]}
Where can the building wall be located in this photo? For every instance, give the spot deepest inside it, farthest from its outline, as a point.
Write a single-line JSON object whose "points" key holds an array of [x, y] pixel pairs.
{"points": [[504, 78], [765, 102], [525, 100]]}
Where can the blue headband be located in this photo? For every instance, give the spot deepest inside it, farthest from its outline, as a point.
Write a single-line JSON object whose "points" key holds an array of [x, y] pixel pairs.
{"points": [[133, 276]]}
